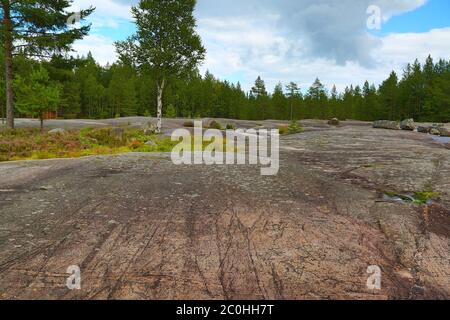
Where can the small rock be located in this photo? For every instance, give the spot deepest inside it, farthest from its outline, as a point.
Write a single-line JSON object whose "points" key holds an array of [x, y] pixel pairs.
{"points": [[334, 122], [423, 129], [386, 124], [112, 222], [149, 128], [437, 125], [444, 132], [57, 131], [151, 143], [435, 132], [406, 274], [408, 125]]}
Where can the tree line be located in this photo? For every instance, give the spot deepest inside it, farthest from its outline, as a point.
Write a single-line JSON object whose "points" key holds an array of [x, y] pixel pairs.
{"points": [[88, 90]]}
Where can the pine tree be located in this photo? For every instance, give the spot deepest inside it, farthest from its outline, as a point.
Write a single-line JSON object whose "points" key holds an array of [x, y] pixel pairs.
{"points": [[36, 94], [389, 96], [293, 92], [259, 89], [278, 106], [35, 28]]}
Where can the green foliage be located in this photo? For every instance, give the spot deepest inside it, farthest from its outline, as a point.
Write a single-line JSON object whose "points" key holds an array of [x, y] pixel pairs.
{"points": [[92, 91], [165, 45], [36, 28], [231, 126], [121, 91], [36, 94], [41, 25], [171, 112], [425, 196], [215, 125], [283, 130], [165, 41], [22, 144], [294, 128]]}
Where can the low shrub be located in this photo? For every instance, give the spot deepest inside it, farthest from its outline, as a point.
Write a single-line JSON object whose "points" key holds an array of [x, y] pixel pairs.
{"points": [[294, 128], [215, 125], [188, 124], [283, 130]]}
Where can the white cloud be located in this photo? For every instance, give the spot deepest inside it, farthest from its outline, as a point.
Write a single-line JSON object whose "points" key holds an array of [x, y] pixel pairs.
{"points": [[289, 40], [105, 9], [102, 48], [405, 47]]}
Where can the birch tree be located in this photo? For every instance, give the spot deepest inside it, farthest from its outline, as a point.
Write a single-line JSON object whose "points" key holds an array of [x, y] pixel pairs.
{"points": [[165, 44]]}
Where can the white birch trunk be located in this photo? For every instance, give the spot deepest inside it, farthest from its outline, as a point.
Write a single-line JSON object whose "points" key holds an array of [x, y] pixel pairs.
{"points": [[160, 106]]}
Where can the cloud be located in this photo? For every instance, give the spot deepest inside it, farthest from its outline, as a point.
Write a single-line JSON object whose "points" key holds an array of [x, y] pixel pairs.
{"points": [[288, 40], [106, 9], [101, 47], [404, 47], [327, 28]]}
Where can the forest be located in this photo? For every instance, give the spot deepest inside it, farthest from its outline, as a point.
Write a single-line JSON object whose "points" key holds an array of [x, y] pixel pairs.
{"points": [[88, 90]]}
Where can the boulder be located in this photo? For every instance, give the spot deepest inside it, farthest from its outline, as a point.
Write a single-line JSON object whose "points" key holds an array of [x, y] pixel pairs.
{"points": [[334, 122], [423, 129], [149, 128], [57, 131], [435, 132], [444, 132], [408, 125], [117, 133], [386, 124]]}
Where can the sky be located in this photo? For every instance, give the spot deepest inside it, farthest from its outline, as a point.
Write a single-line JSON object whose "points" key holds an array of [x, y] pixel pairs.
{"points": [[341, 42]]}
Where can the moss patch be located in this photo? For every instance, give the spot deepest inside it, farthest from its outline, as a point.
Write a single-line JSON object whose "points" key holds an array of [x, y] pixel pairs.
{"points": [[422, 197]]}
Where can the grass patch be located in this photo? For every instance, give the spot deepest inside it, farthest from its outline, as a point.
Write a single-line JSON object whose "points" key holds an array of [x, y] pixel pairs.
{"points": [[30, 144], [420, 198], [293, 128], [425, 196]]}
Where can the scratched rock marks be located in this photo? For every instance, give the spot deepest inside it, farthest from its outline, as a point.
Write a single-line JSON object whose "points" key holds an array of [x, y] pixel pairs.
{"points": [[141, 228]]}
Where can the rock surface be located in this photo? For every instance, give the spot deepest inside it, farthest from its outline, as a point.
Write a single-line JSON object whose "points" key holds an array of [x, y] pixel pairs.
{"points": [[140, 227], [149, 128], [334, 122], [424, 129], [408, 125], [386, 124], [435, 131], [57, 131], [444, 132]]}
